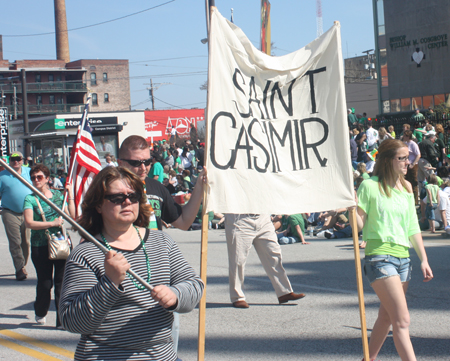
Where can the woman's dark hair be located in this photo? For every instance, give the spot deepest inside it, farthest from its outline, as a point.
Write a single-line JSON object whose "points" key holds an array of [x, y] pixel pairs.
{"points": [[185, 152], [443, 172], [384, 168], [186, 173], [408, 133], [90, 219], [40, 168]]}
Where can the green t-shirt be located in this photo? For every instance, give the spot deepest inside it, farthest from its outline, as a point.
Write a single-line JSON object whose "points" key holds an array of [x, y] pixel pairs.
{"points": [[157, 169], [418, 135], [434, 189], [390, 221], [365, 176], [294, 220], [38, 237]]}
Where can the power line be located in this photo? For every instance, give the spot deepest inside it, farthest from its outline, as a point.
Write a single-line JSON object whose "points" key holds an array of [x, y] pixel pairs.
{"points": [[180, 57], [92, 25]]}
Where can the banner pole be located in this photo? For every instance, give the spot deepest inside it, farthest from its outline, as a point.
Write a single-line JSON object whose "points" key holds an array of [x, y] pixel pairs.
{"points": [[80, 229], [205, 221], [359, 283], [203, 268]]}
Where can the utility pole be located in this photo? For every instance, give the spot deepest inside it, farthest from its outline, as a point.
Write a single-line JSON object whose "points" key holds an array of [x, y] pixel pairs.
{"points": [[152, 88], [151, 94], [15, 102], [26, 130]]}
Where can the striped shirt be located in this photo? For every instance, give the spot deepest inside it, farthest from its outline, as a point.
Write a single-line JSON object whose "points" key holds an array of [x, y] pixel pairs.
{"points": [[126, 323]]}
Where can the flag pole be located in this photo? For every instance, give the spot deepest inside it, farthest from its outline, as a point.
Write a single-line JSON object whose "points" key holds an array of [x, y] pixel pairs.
{"points": [[74, 224], [204, 242], [359, 283]]}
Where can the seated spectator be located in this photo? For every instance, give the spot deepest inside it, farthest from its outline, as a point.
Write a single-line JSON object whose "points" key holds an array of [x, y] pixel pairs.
{"points": [[173, 178], [332, 218], [295, 229], [182, 185], [169, 186]]}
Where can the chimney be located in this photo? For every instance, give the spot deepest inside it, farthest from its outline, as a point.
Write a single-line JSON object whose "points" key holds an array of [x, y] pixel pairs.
{"points": [[62, 37], [1, 47]]}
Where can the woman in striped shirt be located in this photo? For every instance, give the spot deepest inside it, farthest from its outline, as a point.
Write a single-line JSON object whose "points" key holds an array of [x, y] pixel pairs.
{"points": [[117, 319]]}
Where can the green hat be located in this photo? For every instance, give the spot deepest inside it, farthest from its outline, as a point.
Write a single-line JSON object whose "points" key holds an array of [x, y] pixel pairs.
{"points": [[17, 154]]}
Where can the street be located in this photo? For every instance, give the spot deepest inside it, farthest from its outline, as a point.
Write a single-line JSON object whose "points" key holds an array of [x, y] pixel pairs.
{"points": [[325, 325]]}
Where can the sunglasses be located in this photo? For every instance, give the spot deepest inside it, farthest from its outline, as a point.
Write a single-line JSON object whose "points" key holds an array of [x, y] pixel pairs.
{"points": [[119, 198], [137, 163], [37, 177], [15, 159]]}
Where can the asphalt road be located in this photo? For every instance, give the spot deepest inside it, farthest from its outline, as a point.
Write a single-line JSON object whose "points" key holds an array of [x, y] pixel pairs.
{"points": [[325, 325]]}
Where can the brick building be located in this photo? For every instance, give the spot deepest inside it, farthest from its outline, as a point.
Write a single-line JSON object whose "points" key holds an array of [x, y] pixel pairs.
{"points": [[54, 86]]}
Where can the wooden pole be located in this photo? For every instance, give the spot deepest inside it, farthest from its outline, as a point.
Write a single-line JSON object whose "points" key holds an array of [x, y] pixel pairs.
{"points": [[203, 268], [359, 283], [204, 243]]}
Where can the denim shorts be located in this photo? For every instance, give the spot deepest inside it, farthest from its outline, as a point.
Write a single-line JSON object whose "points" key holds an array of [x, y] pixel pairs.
{"points": [[430, 211], [384, 266]]}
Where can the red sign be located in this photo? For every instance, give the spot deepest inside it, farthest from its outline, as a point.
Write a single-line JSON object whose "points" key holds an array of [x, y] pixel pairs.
{"points": [[158, 123]]}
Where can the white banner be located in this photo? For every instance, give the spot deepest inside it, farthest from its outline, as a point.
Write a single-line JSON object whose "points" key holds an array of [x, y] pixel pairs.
{"points": [[277, 126]]}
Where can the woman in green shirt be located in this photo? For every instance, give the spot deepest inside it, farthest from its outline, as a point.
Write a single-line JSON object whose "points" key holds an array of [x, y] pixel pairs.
{"points": [[386, 213], [48, 271]]}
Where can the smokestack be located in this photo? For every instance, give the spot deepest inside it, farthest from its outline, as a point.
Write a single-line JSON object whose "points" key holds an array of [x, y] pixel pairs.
{"points": [[1, 47], [62, 37]]}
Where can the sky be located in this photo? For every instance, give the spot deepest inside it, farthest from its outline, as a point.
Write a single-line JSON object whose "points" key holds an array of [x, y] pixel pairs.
{"points": [[164, 43]]}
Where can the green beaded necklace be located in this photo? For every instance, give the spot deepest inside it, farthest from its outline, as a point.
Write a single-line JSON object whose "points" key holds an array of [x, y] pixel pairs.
{"points": [[149, 275]]}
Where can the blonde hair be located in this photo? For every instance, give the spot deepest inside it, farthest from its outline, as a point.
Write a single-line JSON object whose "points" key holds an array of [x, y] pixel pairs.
{"points": [[361, 168], [381, 132], [391, 128], [384, 168]]}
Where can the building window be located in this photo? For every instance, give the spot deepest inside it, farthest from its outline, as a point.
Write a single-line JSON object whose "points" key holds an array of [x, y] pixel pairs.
{"points": [[51, 99], [417, 103], [106, 98], [439, 99], [38, 78], [405, 104], [395, 105], [58, 78], [380, 17], [105, 77], [383, 68], [427, 101], [94, 99], [59, 100], [51, 78], [39, 99], [93, 79]]}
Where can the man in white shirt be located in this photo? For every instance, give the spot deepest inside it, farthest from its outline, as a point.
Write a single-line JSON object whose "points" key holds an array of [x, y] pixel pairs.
{"points": [[372, 136], [442, 220]]}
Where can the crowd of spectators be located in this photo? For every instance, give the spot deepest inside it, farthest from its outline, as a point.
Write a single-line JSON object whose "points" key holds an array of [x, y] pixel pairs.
{"points": [[428, 165]]}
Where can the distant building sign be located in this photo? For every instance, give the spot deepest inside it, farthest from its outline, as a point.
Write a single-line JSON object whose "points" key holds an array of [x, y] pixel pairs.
{"points": [[158, 123], [53, 124], [4, 133], [431, 42]]}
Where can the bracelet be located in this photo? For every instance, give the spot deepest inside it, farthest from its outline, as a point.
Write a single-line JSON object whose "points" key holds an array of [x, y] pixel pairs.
{"points": [[71, 199]]}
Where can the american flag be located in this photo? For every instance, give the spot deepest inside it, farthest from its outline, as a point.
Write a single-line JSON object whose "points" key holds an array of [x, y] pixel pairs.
{"points": [[84, 162]]}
